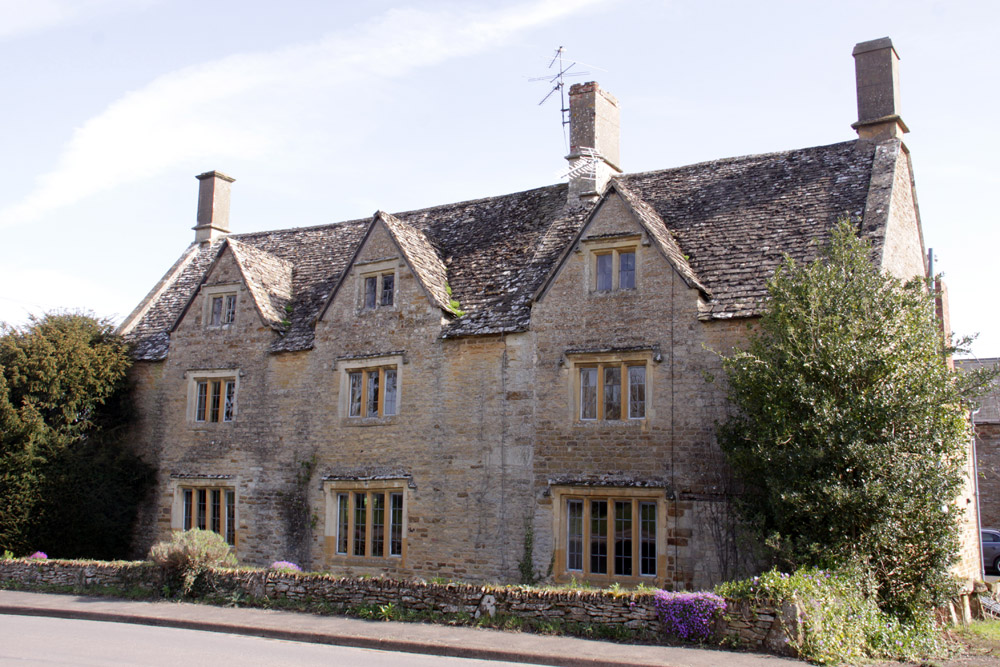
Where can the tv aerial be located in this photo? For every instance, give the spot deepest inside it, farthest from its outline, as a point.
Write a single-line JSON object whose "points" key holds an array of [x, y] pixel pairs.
{"points": [[564, 69]]}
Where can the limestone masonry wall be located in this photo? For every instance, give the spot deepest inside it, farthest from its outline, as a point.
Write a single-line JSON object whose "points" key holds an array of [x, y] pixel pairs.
{"points": [[759, 627]]}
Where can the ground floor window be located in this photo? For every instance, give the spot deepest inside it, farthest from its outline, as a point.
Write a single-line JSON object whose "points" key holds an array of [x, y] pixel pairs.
{"points": [[207, 507], [366, 519], [609, 533]]}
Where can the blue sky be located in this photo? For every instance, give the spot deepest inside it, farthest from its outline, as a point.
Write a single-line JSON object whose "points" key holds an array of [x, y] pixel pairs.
{"points": [[326, 111]]}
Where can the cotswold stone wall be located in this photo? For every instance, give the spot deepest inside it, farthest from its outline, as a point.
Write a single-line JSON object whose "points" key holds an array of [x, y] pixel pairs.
{"points": [[755, 627], [82, 574]]}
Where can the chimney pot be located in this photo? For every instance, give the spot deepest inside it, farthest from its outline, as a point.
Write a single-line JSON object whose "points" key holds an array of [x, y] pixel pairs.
{"points": [[213, 206], [593, 124], [876, 66]]}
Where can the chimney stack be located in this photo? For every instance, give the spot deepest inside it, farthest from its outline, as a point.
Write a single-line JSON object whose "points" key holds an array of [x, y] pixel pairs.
{"points": [[593, 138], [213, 206], [876, 66]]}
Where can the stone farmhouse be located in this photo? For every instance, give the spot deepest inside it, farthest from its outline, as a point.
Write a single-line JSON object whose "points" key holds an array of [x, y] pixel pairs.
{"points": [[502, 387]]}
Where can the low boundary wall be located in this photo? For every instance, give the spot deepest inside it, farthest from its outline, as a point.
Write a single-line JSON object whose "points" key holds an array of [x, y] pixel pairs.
{"points": [[753, 627]]}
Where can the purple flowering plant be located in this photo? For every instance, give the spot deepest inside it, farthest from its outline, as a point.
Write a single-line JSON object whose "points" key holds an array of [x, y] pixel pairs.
{"points": [[285, 566], [688, 616], [39, 554]]}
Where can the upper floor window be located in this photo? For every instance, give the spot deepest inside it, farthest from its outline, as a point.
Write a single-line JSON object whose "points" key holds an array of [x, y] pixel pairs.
{"points": [[373, 392], [212, 396], [612, 390], [369, 387], [614, 269], [220, 305]]}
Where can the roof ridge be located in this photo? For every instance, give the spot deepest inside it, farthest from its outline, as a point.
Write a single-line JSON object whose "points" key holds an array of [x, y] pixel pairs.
{"points": [[734, 158]]}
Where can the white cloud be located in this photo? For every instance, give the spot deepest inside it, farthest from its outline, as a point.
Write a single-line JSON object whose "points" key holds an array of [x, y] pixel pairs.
{"points": [[22, 17], [235, 108]]}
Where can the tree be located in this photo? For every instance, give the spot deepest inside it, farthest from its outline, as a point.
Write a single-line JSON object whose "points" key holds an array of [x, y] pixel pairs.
{"points": [[851, 432], [67, 484]]}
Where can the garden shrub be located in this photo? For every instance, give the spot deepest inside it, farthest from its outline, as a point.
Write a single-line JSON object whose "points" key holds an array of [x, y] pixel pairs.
{"points": [[841, 618], [851, 430], [688, 616], [188, 555]]}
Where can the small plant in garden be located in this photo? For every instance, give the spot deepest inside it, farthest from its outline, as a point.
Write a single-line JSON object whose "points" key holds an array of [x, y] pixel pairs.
{"points": [[41, 555], [688, 616], [387, 612], [7, 555], [187, 556], [285, 566]]}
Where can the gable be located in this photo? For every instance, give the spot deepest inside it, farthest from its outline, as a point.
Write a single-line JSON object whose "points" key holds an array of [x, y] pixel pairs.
{"points": [[389, 239], [618, 216]]}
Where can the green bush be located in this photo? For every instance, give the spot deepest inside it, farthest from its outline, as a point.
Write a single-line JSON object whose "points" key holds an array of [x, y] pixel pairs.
{"points": [[187, 556], [851, 432], [842, 621]]}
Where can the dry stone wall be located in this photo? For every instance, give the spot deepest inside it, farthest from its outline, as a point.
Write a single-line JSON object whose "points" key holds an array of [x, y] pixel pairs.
{"points": [[755, 627]]}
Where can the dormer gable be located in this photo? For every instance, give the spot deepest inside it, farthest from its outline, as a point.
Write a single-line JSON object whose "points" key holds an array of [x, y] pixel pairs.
{"points": [[266, 278], [645, 224], [417, 253]]}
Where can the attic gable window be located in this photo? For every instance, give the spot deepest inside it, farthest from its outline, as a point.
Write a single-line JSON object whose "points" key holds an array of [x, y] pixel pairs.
{"points": [[378, 287], [223, 310], [614, 270], [220, 306], [612, 262]]}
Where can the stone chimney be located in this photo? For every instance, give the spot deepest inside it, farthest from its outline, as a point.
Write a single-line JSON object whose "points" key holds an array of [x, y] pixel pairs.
{"points": [[876, 66], [593, 138], [213, 206]]}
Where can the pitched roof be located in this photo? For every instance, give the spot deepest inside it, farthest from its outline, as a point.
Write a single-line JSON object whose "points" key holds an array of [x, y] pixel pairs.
{"points": [[725, 225], [268, 279], [737, 218]]}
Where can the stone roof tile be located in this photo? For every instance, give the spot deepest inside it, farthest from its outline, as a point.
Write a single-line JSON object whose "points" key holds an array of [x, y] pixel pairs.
{"points": [[725, 224], [268, 279]]}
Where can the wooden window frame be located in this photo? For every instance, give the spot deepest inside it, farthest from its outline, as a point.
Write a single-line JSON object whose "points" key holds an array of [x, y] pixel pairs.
{"points": [[362, 369], [637, 497], [364, 388], [625, 387], [186, 513], [393, 532], [223, 385], [615, 250]]}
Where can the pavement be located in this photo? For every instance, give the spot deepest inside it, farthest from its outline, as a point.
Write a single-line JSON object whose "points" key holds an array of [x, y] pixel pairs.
{"points": [[424, 638]]}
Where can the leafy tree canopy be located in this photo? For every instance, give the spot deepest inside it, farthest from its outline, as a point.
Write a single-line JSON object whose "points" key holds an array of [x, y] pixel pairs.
{"points": [[851, 431], [65, 478]]}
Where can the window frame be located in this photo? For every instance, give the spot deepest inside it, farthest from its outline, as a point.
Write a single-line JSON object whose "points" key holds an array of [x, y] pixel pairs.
{"points": [[613, 248], [225, 486], [363, 368], [226, 380], [340, 532], [602, 363], [228, 297], [378, 273], [585, 497]]}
